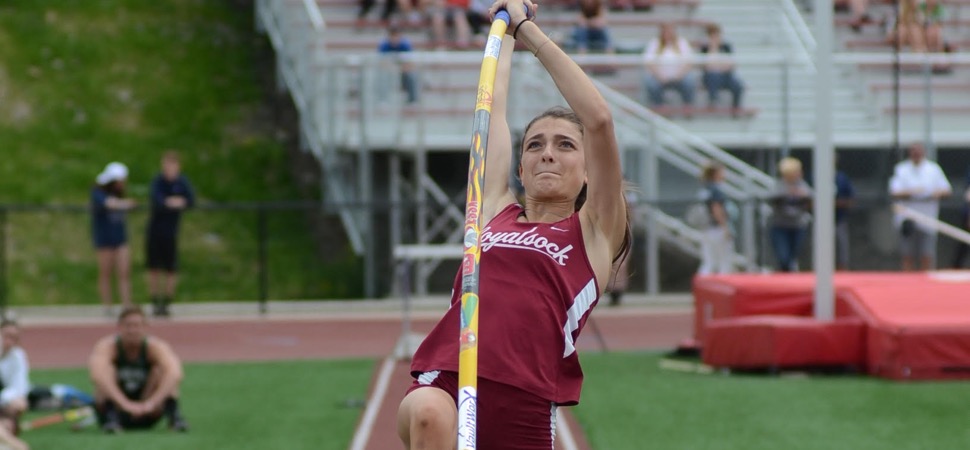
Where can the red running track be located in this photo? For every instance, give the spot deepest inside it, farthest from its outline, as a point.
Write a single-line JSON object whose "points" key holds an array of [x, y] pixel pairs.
{"points": [[338, 336]]}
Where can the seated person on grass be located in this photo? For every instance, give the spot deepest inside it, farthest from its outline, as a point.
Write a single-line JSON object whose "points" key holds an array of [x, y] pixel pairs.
{"points": [[14, 384], [136, 377]]}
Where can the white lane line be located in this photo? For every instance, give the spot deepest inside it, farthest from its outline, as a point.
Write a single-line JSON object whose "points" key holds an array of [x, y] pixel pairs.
{"points": [[362, 435], [565, 434]]}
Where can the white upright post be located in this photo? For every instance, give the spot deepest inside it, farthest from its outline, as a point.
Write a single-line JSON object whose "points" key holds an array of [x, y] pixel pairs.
{"points": [[824, 165]]}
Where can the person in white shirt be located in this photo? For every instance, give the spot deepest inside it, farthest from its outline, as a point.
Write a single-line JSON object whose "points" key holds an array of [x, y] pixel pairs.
{"points": [[918, 184], [15, 380], [669, 66]]}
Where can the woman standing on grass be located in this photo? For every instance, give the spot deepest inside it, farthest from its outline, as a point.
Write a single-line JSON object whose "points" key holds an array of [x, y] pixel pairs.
{"points": [[108, 215], [544, 264]]}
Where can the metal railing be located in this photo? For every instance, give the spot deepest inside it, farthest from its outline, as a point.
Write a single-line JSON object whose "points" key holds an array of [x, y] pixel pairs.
{"points": [[281, 250], [297, 38]]}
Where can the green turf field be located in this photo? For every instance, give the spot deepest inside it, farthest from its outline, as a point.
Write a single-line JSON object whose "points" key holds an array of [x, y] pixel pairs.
{"points": [[279, 405], [628, 403]]}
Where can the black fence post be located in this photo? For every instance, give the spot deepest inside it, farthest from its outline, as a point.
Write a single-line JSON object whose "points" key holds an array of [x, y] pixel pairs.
{"points": [[261, 236]]}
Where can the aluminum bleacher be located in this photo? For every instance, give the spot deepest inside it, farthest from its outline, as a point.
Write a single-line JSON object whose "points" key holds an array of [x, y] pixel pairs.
{"points": [[930, 98]]}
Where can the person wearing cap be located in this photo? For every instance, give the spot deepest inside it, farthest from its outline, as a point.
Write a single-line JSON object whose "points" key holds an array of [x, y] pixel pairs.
{"points": [[108, 215]]}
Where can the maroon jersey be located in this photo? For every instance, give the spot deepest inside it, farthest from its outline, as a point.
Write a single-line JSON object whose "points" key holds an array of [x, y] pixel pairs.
{"points": [[536, 289]]}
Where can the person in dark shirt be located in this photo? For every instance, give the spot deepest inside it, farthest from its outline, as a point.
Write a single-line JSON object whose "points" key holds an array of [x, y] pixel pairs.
{"points": [[171, 193], [591, 32], [963, 249], [717, 240], [718, 70], [136, 377], [397, 46], [844, 195], [108, 216]]}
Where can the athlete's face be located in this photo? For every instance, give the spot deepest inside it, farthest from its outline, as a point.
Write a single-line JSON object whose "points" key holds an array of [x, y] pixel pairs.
{"points": [[553, 161], [132, 329]]}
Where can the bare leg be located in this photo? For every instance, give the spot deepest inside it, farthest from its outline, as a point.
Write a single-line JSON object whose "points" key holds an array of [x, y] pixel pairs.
{"points": [[438, 24], [106, 258], [123, 268], [858, 9], [169, 405], [15, 408], [171, 282], [459, 19], [428, 420], [151, 387], [934, 38], [8, 438], [154, 283], [912, 34]]}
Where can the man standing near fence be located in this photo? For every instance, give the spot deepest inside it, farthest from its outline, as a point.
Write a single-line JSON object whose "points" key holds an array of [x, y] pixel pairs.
{"points": [[918, 184], [171, 193], [844, 197]]}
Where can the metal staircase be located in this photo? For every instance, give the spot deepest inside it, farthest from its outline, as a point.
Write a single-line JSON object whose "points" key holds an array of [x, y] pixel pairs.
{"points": [[345, 119]]}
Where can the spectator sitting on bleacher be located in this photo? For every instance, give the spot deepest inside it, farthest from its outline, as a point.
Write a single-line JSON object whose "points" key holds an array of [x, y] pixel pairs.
{"points": [[591, 32], [860, 14], [367, 5], [669, 66], [718, 70], [412, 12], [454, 11], [479, 21], [931, 11], [397, 46], [907, 29], [919, 27]]}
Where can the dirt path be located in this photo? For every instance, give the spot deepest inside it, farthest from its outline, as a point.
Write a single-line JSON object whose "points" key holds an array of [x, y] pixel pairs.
{"points": [[337, 336]]}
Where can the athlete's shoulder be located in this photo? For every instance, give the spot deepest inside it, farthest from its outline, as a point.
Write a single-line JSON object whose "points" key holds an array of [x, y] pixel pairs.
{"points": [[106, 347], [504, 213], [154, 345]]}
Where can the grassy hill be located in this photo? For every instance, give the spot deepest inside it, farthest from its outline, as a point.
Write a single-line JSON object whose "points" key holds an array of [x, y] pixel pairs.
{"points": [[83, 83]]}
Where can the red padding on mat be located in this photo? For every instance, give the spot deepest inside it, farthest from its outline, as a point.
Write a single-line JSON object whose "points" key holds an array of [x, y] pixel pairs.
{"points": [[916, 332], [727, 296], [783, 341], [723, 296]]}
